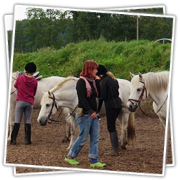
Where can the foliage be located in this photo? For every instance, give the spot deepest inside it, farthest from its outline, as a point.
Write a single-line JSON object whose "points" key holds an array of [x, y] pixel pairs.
{"points": [[57, 28], [119, 57]]}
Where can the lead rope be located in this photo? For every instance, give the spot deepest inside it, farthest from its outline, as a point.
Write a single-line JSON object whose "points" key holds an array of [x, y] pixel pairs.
{"points": [[71, 114], [162, 105]]}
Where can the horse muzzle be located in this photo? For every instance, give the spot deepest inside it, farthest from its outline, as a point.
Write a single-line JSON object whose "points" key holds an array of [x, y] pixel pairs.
{"points": [[42, 121], [132, 106]]}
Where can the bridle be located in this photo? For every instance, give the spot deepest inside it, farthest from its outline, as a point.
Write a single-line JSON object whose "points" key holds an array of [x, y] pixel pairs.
{"points": [[140, 97], [55, 104]]}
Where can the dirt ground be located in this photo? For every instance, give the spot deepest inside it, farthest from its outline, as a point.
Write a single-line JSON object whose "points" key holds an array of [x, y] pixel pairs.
{"points": [[47, 149]]}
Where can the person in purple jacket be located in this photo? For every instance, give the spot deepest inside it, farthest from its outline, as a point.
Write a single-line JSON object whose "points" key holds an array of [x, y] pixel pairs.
{"points": [[26, 90]]}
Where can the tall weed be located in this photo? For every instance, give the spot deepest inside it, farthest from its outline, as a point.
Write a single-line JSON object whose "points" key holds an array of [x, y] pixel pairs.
{"points": [[119, 57]]}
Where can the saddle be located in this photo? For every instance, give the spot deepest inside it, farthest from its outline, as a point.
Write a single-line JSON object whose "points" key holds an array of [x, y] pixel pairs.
{"points": [[35, 75]]}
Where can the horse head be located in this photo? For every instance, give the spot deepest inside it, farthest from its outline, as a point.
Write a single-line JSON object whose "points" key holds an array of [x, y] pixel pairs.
{"points": [[48, 108], [138, 93]]}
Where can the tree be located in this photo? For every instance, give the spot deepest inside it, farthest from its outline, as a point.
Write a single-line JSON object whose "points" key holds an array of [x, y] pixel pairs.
{"points": [[57, 28]]}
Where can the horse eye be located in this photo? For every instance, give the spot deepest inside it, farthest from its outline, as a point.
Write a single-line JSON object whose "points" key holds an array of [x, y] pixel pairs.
{"points": [[47, 105], [139, 89]]}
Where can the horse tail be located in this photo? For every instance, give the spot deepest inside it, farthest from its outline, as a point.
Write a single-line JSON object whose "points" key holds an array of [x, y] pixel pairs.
{"points": [[131, 128]]}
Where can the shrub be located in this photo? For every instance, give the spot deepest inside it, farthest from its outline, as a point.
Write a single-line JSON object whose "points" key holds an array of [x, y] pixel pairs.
{"points": [[119, 57]]}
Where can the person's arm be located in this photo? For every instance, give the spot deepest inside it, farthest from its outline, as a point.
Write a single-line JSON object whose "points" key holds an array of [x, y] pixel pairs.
{"points": [[100, 102], [104, 90], [35, 89], [82, 95]]}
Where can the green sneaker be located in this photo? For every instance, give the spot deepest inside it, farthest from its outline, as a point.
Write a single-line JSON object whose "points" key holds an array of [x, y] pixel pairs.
{"points": [[98, 164], [71, 161]]}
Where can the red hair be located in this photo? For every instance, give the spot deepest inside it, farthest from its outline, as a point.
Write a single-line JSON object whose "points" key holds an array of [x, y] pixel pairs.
{"points": [[88, 67]]}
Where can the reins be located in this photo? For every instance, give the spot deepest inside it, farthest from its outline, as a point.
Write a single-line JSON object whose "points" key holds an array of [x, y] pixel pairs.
{"points": [[13, 92], [162, 105]]}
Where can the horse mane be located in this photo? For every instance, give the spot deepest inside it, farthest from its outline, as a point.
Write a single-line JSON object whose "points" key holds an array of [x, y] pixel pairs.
{"points": [[59, 85], [156, 81]]}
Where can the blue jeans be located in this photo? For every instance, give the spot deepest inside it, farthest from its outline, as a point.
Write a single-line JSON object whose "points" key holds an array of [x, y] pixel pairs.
{"points": [[87, 126]]}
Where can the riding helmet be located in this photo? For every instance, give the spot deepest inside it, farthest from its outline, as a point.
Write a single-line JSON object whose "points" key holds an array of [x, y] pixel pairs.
{"points": [[101, 70], [30, 67]]}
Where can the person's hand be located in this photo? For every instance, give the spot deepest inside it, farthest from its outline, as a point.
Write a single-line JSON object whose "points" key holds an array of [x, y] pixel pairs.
{"points": [[97, 78], [94, 115]]}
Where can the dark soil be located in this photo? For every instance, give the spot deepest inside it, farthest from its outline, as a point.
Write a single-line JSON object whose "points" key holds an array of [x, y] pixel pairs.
{"points": [[47, 149]]}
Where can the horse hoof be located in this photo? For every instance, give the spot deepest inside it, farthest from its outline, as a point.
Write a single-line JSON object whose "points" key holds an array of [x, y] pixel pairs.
{"points": [[125, 143], [64, 141], [123, 147]]}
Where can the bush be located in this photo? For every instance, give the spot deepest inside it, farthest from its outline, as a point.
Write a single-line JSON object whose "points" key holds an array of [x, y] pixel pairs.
{"points": [[120, 58]]}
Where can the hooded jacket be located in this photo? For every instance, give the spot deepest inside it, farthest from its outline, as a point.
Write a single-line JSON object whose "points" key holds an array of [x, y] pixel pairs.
{"points": [[110, 93], [26, 88]]}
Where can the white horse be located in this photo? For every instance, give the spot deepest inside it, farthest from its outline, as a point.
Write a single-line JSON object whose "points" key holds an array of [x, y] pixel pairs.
{"points": [[153, 85], [43, 85], [64, 95]]}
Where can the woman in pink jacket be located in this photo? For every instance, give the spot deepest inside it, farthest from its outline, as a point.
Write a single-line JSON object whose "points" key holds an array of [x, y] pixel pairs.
{"points": [[26, 89]]}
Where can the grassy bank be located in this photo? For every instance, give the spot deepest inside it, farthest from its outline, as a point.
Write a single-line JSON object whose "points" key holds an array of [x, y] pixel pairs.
{"points": [[119, 58]]}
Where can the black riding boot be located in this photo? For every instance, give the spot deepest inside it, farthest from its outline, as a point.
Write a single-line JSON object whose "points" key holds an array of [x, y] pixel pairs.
{"points": [[115, 145], [27, 134], [14, 133]]}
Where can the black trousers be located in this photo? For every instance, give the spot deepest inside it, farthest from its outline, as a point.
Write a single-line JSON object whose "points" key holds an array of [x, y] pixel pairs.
{"points": [[112, 114]]}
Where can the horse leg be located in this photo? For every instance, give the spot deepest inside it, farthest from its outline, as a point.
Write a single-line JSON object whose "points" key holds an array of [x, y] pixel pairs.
{"points": [[73, 131], [163, 121], [67, 133], [68, 129], [162, 117], [68, 126], [11, 119], [123, 118]]}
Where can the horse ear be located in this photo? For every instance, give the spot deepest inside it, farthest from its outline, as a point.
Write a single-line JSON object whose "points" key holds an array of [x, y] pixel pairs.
{"points": [[132, 75], [43, 92], [49, 93], [140, 76]]}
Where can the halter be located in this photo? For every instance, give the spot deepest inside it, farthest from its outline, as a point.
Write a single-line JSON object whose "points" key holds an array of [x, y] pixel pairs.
{"points": [[55, 104], [140, 97]]}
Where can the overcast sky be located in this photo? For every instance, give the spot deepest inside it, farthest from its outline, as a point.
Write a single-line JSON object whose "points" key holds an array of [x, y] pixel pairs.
{"points": [[20, 14]]}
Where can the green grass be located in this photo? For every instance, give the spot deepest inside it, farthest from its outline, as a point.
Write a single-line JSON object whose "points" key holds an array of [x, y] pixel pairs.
{"points": [[119, 58]]}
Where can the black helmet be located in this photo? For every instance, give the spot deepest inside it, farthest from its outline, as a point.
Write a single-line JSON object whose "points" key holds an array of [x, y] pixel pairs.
{"points": [[30, 67], [101, 70]]}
